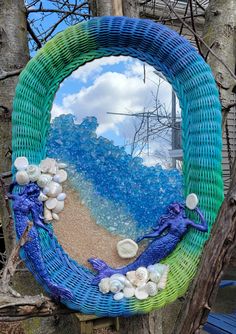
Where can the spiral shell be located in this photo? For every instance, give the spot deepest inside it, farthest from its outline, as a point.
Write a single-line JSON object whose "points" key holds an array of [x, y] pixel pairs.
{"points": [[142, 274], [22, 178], [104, 285], [34, 172], [151, 288], [163, 280], [116, 286], [118, 277]]}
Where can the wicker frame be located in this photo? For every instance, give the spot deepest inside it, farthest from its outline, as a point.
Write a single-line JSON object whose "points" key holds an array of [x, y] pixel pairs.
{"points": [[192, 80]]}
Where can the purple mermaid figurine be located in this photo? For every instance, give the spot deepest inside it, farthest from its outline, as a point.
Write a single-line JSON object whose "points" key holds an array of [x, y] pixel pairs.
{"points": [[171, 229]]}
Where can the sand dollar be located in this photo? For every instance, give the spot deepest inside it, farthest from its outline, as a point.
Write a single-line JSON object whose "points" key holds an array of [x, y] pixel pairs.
{"points": [[191, 201], [127, 248]]}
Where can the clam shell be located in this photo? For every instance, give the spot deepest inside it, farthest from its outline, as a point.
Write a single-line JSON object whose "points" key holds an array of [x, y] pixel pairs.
{"points": [[151, 288], [61, 176], [54, 189], [104, 285], [191, 201], [51, 203], [55, 216], [59, 207], [142, 274], [43, 180], [42, 197], [118, 296], [47, 214], [127, 248], [61, 197], [141, 293], [116, 286], [22, 178], [21, 163], [129, 292], [34, 172], [48, 165]]}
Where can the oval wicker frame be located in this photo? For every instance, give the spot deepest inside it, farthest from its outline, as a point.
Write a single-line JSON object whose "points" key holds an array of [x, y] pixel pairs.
{"points": [[192, 80]]}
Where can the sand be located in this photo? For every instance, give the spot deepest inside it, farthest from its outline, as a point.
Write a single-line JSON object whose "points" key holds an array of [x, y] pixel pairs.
{"points": [[81, 237]]}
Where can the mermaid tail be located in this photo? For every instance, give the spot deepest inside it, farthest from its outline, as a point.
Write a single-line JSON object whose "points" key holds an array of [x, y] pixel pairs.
{"points": [[103, 270]]}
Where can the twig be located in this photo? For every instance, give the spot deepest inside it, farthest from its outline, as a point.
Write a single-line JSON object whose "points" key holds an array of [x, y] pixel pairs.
{"points": [[193, 26], [32, 33], [200, 39]]}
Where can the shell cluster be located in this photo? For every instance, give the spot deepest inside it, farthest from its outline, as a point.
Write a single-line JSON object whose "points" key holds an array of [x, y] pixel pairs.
{"points": [[49, 175], [141, 283]]}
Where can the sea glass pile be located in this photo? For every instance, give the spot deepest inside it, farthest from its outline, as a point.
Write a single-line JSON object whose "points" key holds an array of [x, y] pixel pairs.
{"points": [[121, 193]]}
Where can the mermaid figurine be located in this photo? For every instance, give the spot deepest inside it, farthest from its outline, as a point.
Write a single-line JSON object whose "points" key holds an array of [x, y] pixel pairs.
{"points": [[171, 229], [26, 204]]}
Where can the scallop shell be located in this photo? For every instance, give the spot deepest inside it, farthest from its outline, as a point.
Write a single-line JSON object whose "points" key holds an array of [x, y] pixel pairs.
{"points": [[151, 288], [47, 214], [61, 197], [191, 201], [142, 274], [55, 216], [43, 180], [51, 203], [118, 296], [141, 293], [59, 207], [54, 189], [61, 176], [129, 292], [104, 285], [116, 286], [21, 163], [34, 172], [42, 197], [48, 165], [127, 248], [22, 178]]}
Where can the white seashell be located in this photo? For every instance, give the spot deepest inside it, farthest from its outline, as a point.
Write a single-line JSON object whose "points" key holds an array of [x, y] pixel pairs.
{"points": [[22, 178], [48, 165], [61, 197], [61, 176], [55, 216], [116, 286], [118, 277], [34, 172], [129, 292], [45, 190], [163, 280], [131, 276], [142, 274], [62, 165], [127, 248], [151, 268], [42, 197], [118, 296], [141, 293], [104, 285], [54, 189], [128, 284], [151, 288], [47, 214], [21, 163], [43, 180], [51, 203], [59, 207], [191, 201], [155, 276]]}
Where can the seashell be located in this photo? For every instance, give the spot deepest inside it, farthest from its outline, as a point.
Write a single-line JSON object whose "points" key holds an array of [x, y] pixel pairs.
{"points": [[104, 285], [151, 268], [61, 197], [141, 293], [48, 165], [62, 165], [163, 280], [131, 276], [127, 248], [42, 197], [43, 180], [191, 201], [22, 178], [21, 163], [59, 207], [116, 286], [51, 203], [151, 288], [45, 190], [61, 176], [142, 274], [155, 276], [55, 216], [34, 172], [129, 292], [119, 277], [118, 296], [54, 189], [47, 214]]}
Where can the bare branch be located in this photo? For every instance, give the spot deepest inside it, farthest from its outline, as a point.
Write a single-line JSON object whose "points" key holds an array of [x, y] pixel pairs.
{"points": [[33, 35]]}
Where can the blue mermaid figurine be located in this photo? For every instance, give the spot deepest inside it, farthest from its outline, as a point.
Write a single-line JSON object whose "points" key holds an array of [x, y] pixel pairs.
{"points": [[171, 229]]}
